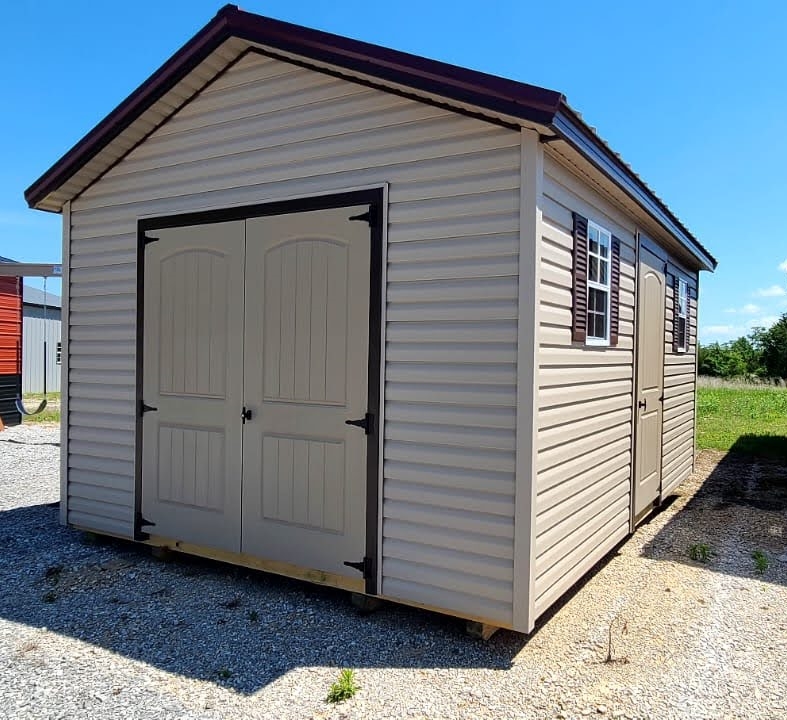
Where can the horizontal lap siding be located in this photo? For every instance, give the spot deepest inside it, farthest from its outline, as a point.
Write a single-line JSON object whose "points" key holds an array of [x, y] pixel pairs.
{"points": [[266, 130], [679, 394], [584, 402]]}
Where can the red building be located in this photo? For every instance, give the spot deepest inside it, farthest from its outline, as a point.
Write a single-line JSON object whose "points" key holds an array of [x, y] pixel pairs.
{"points": [[10, 347]]}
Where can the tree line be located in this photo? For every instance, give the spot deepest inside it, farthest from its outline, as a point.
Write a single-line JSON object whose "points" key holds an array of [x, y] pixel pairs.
{"points": [[761, 354]]}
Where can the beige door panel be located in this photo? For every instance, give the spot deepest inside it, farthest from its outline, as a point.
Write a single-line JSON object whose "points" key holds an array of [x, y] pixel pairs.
{"points": [[192, 375], [306, 357], [650, 380]]}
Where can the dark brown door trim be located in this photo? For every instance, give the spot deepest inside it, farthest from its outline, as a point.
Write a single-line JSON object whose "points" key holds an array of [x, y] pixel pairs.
{"points": [[375, 199]]}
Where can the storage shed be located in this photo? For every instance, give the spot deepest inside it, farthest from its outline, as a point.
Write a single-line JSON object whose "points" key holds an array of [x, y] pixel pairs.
{"points": [[10, 347], [344, 313], [41, 348]]}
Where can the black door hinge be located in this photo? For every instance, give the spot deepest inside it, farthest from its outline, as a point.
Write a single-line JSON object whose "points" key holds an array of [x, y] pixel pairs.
{"points": [[139, 523], [367, 217], [147, 239], [142, 522], [366, 422], [365, 566], [143, 408]]}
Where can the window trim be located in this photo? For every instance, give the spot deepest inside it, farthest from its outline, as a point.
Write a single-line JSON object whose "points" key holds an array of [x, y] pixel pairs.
{"points": [[595, 285], [59, 353], [682, 313]]}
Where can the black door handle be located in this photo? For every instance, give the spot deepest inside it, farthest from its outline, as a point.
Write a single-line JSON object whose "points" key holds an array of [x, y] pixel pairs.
{"points": [[366, 422], [642, 404], [245, 414]]}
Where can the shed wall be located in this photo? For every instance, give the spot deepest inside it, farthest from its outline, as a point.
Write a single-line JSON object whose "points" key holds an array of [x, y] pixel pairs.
{"points": [[10, 324], [10, 330], [270, 130], [35, 329], [680, 378], [584, 400]]}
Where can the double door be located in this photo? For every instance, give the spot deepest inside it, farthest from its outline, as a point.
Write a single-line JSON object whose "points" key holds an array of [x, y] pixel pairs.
{"points": [[255, 356]]}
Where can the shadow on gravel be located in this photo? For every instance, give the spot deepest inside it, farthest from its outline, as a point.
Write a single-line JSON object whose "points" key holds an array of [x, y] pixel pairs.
{"points": [[739, 509], [232, 626]]}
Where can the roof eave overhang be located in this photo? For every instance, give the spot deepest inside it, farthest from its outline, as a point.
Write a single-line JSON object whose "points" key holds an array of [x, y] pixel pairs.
{"points": [[168, 75], [571, 129]]}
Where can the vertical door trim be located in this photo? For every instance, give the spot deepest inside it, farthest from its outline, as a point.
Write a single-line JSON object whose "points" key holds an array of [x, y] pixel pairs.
{"points": [[376, 198], [634, 384]]}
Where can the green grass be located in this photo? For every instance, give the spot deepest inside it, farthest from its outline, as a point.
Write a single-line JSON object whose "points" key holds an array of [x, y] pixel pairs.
{"points": [[700, 552], [750, 420], [51, 413], [29, 397], [761, 562], [344, 688]]}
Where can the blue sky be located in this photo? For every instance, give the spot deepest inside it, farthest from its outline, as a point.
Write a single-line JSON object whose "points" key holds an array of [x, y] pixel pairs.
{"points": [[692, 94]]}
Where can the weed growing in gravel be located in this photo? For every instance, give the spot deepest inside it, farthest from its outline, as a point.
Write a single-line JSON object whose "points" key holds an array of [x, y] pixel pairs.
{"points": [[50, 596], [344, 688], [253, 616], [623, 631], [53, 573], [761, 562], [700, 552], [224, 673]]}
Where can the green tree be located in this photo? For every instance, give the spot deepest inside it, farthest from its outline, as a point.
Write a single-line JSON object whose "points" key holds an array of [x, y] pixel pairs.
{"points": [[744, 357], [710, 360], [737, 358], [772, 346]]}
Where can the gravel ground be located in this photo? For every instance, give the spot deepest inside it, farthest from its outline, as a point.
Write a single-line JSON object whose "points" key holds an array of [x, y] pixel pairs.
{"points": [[102, 630]]}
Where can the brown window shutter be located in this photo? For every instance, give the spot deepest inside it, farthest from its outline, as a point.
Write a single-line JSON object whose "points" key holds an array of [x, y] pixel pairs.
{"points": [[675, 310], [614, 290], [579, 323]]}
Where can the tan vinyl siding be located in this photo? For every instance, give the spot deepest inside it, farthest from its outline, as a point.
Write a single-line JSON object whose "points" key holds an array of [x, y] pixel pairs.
{"points": [[584, 401], [679, 393], [269, 130]]}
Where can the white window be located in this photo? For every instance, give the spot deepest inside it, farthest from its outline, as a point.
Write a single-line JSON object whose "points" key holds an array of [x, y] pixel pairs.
{"points": [[682, 322], [59, 354], [599, 246]]}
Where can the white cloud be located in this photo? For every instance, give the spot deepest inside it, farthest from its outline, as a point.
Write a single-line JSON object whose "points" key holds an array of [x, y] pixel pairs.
{"points": [[765, 321], [720, 330], [747, 309], [783, 266], [772, 291]]}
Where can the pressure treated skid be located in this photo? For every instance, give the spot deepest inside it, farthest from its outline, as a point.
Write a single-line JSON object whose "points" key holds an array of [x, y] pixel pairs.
{"points": [[507, 450]]}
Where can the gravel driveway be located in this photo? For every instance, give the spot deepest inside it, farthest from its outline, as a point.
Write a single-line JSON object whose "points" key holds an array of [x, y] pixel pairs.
{"points": [[104, 631]]}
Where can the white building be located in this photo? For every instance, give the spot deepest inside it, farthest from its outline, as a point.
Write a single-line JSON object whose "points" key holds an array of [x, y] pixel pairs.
{"points": [[41, 323]]}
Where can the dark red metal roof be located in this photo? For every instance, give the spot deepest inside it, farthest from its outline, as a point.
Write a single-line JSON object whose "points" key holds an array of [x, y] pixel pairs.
{"points": [[496, 95]]}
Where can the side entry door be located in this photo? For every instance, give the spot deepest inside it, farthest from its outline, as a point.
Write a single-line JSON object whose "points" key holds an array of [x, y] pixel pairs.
{"points": [[306, 367], [193, 384], [650, 380]]}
